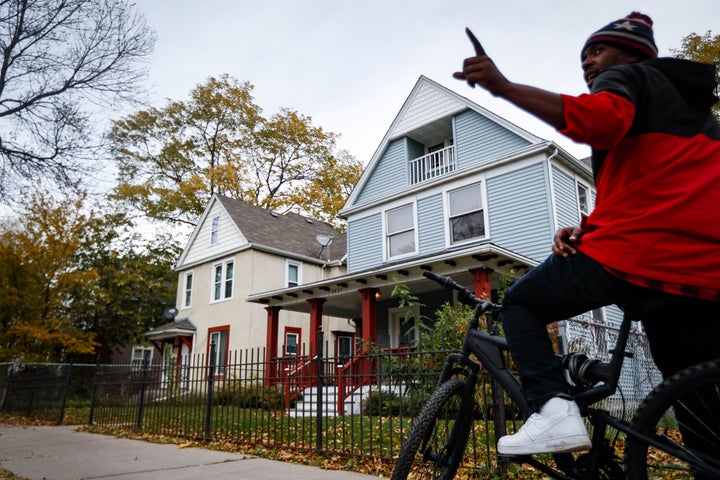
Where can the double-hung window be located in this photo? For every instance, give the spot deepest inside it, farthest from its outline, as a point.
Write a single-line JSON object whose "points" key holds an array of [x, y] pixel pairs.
{"points": [[223, 274], [400, 228], [141, 356], [466, 213], [187, 290], [294, 271]]}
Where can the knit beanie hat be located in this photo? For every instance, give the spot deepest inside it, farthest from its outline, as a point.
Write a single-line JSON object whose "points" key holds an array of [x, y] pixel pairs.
{"points": [[634, 32]]}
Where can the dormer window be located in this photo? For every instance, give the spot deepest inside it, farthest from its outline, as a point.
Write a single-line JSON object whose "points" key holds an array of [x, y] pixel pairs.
{"points": [[214, 230]]}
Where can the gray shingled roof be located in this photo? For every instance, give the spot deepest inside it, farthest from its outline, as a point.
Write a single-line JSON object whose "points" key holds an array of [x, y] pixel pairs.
{"points": [[181, 324], [288, 232]]}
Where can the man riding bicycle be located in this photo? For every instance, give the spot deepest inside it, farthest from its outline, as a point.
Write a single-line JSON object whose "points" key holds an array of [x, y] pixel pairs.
{"points": [[652, 243]]}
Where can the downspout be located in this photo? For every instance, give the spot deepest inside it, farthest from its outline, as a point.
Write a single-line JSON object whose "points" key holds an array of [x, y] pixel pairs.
{"points": [[552, 189]]}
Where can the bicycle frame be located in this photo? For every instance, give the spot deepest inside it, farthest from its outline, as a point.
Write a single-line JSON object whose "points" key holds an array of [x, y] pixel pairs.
{"points": [[490, 350]]}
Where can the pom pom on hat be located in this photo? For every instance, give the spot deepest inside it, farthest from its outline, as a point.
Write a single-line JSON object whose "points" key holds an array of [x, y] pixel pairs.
{"points": [[634, 31]]}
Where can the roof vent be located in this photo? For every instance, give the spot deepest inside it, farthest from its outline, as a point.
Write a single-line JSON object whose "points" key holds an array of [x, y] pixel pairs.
{"points": [[308, 220], [274, 214]]}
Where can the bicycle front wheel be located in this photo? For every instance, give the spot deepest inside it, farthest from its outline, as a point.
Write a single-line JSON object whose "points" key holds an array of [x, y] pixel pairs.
{"points": [[683, 415], [436, 443]]}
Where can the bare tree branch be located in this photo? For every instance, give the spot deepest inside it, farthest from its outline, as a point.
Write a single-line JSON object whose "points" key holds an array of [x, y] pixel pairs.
{"points": [[62, 62]]}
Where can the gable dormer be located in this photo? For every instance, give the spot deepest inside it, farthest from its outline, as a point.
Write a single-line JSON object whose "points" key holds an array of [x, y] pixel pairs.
{"points": [[436, 133]]}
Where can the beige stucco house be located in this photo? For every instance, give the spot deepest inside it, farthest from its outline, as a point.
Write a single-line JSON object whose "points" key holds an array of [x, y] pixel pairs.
{"points": [[239, 249]]}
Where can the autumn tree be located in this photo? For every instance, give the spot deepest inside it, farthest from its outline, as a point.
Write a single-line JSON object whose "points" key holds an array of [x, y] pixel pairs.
{"points": [[702, 48], [37, 278], [62, 63], [173, 159], [75, 285], [134, 285]]}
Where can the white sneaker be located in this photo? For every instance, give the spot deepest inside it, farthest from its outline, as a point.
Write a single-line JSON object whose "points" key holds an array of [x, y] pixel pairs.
{"points": [[557, 428]]}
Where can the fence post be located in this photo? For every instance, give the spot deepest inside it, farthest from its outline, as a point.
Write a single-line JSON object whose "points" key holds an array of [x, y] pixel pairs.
{"points": [[68, 381], [143, 386], [209, 405], [320, 393], [93, 394]]}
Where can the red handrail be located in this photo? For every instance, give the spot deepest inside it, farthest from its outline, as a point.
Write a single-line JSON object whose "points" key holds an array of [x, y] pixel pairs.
{"points": [[298, 378]]}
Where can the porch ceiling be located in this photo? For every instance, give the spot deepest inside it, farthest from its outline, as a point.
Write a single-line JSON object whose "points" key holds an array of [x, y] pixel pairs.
{"points": [[342, 297]]}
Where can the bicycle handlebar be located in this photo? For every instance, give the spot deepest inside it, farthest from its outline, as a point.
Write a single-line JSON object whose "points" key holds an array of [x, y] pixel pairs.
{"points": [[448, 282]]}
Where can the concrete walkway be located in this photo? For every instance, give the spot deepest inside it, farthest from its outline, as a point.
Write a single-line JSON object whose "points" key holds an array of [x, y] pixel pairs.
{"points": [[63, 453]]}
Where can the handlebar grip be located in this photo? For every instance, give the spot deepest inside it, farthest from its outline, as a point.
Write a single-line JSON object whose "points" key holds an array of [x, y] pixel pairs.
{"points": [[450, 283]]}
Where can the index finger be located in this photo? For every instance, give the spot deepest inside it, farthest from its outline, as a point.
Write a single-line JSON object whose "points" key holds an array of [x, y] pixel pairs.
{"points": [[479, 50]]}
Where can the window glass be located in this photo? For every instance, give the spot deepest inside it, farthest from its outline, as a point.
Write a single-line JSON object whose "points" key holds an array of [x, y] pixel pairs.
{"points": [[229, 270], [583, 199], [141, 355], [223, 274], [187, 297], [344, 351], [402, 243], [217, 283], [217, 350], [400, 219], [215, 230], [292, 275], [291, 343], [401, 231], [467, 217]]}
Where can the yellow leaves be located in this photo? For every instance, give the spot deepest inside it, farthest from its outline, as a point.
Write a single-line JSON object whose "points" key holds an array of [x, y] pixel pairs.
{"points": [[171, 160]]}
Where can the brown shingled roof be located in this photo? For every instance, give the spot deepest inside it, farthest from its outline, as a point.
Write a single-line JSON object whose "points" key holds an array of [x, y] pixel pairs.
{"points": [[288, 232]]}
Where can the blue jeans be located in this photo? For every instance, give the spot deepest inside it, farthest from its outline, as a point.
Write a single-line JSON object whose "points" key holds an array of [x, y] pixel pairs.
{"points": [[682, 331]]}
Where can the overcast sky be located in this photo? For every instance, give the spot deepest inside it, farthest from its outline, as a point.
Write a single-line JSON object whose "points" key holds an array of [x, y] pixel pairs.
{"points": [[350, 64]]}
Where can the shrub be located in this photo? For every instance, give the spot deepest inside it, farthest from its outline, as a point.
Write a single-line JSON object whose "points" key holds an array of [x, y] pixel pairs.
{"points": [[248, 394]]}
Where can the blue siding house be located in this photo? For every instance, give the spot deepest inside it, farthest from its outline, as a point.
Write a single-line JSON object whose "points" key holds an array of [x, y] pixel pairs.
{"points": [[452, 188]]}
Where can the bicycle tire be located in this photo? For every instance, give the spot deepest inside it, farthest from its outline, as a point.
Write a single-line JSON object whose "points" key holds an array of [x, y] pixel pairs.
{"points": [[689, 400], [436, 443]]}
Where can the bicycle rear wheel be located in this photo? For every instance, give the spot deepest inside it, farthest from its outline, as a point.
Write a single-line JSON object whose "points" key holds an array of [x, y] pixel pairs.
{"points": [[436, 443], [682, 413]]}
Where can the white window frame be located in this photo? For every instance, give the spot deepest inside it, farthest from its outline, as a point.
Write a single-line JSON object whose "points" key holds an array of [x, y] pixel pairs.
{"points": [[341, 337], [186, 293], [223, 282], [292, 332], [387, 235], [288, 265], [449, 216], [215, 230], [137, 360], [588, 194]]}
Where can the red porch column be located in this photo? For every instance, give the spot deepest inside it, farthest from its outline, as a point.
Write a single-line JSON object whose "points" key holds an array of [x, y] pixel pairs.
{"points": [[315, 323], [271, 343], [481, 281], [369, 328], [369, 315]]}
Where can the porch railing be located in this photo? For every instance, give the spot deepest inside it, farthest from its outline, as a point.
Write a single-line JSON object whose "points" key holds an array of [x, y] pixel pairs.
{"points": [[432, 165], [299, 377]]}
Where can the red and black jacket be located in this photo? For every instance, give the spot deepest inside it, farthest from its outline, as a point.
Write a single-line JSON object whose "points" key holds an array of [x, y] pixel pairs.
{"points": [[656, 161]]}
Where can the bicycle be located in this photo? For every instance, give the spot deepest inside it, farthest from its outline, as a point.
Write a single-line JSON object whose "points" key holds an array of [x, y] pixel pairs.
{"points": [[653, 446]]}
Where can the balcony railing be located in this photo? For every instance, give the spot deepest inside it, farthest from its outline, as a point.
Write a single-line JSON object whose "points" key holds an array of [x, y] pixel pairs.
{"points": [[432, 165]]}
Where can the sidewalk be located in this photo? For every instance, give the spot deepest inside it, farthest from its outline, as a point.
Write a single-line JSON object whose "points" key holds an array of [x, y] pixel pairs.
{"points": [[62, 453]]}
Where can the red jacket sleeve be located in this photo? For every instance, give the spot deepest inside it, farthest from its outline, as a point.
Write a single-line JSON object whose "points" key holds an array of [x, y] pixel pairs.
{"points": [[600, 120]]}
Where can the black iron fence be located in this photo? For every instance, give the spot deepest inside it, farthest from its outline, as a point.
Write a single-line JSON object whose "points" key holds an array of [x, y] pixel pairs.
{"points": [[44, 390], [361, 406]]}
